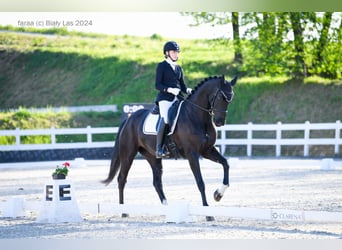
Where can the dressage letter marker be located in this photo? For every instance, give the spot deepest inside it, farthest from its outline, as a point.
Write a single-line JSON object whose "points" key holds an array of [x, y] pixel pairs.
{"points": [[64, 190], [59, 204], [48, 192]]}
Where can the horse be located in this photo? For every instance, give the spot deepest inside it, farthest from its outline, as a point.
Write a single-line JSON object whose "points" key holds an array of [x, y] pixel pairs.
{"points": [[194, 136]]}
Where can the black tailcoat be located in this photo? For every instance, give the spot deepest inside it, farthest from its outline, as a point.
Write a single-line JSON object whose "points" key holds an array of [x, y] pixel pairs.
{"points": [[166, 77]]}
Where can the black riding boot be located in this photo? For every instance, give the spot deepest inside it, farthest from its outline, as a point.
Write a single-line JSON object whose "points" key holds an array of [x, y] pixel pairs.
{"points": [[160, 139]]}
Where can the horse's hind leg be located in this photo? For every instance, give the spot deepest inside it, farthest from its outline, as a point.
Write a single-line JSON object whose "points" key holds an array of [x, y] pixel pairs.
{"points": [[126, 163], [157, 170]]}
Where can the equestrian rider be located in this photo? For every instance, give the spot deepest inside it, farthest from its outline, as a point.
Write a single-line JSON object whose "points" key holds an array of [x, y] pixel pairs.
{"points": [[169, 82]]}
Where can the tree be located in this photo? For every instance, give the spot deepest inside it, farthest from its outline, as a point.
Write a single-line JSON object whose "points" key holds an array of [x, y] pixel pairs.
{"points": [[320, 48], [268, 52], [324, 37], [220, 19], [286, 43]]}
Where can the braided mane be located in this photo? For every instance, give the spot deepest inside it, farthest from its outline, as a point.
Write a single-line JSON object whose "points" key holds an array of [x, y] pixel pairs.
{"points": [[202, 82]]}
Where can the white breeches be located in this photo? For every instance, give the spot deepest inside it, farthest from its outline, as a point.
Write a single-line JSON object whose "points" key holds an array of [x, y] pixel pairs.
{"points": [[164, 108]]}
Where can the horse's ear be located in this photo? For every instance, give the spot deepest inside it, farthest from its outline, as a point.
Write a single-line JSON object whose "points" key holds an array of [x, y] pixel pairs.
{"points": [[233, 82]]}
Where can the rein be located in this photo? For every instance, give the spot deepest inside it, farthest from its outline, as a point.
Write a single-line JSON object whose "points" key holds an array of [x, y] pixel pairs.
{"points": [[184, 97], [211, 110]]}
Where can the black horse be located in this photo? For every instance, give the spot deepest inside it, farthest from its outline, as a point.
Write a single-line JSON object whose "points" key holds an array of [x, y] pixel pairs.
{"points": [[194, 136]]}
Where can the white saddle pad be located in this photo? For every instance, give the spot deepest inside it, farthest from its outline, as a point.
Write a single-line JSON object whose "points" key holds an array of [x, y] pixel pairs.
{"points": [[150, 123]]}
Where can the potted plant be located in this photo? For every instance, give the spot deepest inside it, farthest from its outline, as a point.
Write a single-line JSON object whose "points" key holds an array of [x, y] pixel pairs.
{"points": [[61, 172]]}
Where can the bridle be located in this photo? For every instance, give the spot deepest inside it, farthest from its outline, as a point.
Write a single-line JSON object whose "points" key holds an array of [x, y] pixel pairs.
{"points": [[212, 108], [226, 99]]}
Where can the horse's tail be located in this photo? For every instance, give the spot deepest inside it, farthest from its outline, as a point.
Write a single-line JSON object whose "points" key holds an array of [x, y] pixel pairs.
{"points": [[115, 162]]}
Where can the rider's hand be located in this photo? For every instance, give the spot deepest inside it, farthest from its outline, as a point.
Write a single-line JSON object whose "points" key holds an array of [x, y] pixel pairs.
{"points": [[174, 91], [188, 91]]}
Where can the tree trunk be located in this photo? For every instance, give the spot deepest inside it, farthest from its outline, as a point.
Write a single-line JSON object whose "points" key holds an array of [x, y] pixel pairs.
{"points": [[300, 69], [236, 38], [323, 39]]}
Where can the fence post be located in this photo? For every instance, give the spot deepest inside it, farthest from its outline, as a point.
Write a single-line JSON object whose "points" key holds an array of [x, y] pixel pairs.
{"points": [[17, 136], [337, 137], [278, 138], [223, 139], [306, 138], [53, 135], [89, 137], [249, 139]]}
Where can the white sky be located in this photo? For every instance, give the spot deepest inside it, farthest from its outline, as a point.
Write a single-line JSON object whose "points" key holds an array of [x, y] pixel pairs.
{"points": [[166, 24]]}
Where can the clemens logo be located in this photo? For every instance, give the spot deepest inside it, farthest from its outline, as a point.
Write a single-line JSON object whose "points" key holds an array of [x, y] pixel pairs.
{"points": [[287, 215]]}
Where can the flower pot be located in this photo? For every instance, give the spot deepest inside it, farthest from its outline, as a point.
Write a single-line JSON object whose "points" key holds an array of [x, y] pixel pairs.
{"points": [[58, 176]]}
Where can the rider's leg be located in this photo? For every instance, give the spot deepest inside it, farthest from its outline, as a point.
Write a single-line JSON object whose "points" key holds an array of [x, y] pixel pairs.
{"points": [[162, 124], [160, 152]]}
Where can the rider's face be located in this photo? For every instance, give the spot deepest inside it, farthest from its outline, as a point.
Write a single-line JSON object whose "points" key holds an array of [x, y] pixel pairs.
{"points": [[173, 54]]}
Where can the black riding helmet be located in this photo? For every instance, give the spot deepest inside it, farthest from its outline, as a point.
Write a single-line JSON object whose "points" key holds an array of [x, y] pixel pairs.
{"points": [[171, 45]]}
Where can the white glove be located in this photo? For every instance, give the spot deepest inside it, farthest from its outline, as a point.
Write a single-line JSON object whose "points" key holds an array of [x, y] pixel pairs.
{"points": [[174, 91], [188, 91]]}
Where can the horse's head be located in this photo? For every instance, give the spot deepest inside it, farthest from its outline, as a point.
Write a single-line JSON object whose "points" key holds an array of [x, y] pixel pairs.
{"points": [[219, 100]]}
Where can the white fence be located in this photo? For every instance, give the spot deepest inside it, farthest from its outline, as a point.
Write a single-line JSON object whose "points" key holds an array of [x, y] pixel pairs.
{"points": [[278, 141]]}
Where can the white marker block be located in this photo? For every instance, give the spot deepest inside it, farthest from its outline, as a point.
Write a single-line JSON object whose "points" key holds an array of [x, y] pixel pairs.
{"points": [[13, 208], [178, 212], [79, 162], [59, 203], [327, 164]]}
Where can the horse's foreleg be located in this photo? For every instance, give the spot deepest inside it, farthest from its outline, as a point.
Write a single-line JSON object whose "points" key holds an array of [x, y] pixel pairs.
{"points": [[215, 156], [195, 168]]}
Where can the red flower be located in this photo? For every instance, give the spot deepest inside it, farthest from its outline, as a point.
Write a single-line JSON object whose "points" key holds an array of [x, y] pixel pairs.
{"points": [[66, 164]]}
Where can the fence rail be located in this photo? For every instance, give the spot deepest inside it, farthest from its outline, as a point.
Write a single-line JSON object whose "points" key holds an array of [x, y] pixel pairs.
{"points": [[53, 132], [222, 141]]}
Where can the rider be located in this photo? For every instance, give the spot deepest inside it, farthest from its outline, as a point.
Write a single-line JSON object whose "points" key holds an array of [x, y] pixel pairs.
{"points": [[169, 82]]}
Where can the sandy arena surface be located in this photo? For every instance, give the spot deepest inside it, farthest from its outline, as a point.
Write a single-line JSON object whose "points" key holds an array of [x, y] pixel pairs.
{"points": [[277, 184]]}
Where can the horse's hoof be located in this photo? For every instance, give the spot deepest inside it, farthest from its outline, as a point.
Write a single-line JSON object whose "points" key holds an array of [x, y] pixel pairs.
{"points": [[217, 195], [210, 218], [124, 215]]}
